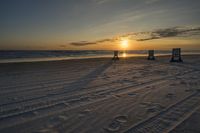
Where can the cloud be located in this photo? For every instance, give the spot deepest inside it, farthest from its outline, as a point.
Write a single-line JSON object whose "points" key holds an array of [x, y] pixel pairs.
{"points": [[147, 35], [171, 32], [82, 43]]}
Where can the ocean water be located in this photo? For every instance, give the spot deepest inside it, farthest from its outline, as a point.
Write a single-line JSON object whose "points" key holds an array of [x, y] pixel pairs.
{"points": [[31, 56]]}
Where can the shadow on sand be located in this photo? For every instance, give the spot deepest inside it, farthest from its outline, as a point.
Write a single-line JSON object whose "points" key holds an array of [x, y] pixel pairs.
{"points": [[85, 80]]}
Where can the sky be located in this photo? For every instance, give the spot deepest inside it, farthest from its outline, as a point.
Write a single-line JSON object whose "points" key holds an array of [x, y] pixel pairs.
{"points": [[99, 24]]}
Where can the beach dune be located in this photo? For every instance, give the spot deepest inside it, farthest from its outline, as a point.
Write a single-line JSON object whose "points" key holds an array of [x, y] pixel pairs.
{"points": [[131, 95]]}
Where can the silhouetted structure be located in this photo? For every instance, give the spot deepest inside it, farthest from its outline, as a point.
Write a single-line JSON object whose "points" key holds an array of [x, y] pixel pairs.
{"points": [[116, 57], [176, 55], [151, 55]]}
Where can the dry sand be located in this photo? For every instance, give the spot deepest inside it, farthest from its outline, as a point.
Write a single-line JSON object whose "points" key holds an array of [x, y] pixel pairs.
{"points": [[99, 95]]}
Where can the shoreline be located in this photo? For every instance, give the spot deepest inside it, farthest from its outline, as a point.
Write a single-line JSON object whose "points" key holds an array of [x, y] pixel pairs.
{"points": [[53, 59]]}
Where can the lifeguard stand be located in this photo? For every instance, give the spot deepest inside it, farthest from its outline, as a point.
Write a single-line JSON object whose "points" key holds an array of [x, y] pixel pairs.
{"points": [[151, 55], [116, 57], [176, 55]]}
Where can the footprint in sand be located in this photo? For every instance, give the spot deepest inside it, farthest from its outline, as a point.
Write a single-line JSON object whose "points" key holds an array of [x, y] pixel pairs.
{"points": [[117, 123], [152, 107], [62, 117], [126, 81], [152, 110], [145, 104], [84, 112], [66, 103], [114, 126], [121, 119], [170, 95], [148, 87], [155, 108], [131, 94]]}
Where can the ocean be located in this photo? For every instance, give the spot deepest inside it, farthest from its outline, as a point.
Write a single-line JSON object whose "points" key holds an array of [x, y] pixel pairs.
{"points": [[46, 55]]}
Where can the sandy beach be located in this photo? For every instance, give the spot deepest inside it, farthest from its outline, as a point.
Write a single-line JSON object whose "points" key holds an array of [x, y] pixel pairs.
{"points": [[132, 95]]}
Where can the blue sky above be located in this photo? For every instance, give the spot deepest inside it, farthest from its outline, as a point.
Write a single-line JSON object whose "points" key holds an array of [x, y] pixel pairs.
{"points": [[50, 24]]}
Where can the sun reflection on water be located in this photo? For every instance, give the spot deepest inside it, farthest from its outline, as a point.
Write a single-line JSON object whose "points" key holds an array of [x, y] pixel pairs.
{"points": [[124, 54]]}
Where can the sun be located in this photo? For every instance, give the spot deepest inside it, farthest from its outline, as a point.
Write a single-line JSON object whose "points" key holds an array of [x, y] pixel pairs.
{"points": [[124, 44]]}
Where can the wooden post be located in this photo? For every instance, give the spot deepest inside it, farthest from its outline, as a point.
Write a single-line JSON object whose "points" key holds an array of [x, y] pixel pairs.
{"points": [[116, 57], [151, 55], [176, 55]]}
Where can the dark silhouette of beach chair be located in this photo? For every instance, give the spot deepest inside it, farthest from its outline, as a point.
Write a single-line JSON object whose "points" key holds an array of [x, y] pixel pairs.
{"points": [[176, 55], [116, 57], [151, 55]]}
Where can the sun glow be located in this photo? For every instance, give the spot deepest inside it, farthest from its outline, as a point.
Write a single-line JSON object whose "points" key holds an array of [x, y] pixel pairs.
{"points": [[124, 55], [124, 44]]}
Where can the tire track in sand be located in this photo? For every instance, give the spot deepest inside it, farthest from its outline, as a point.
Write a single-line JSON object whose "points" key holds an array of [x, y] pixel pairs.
{"points": [[59, 102], [168, 119]]}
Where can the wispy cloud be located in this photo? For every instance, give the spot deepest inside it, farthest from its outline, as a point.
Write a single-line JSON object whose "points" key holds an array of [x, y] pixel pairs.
{"points": [[148, 35], [83, 43], [171, 32]]}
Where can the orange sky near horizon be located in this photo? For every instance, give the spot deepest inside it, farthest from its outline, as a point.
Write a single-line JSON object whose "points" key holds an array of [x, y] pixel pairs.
{"points": [[159, 44]]}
